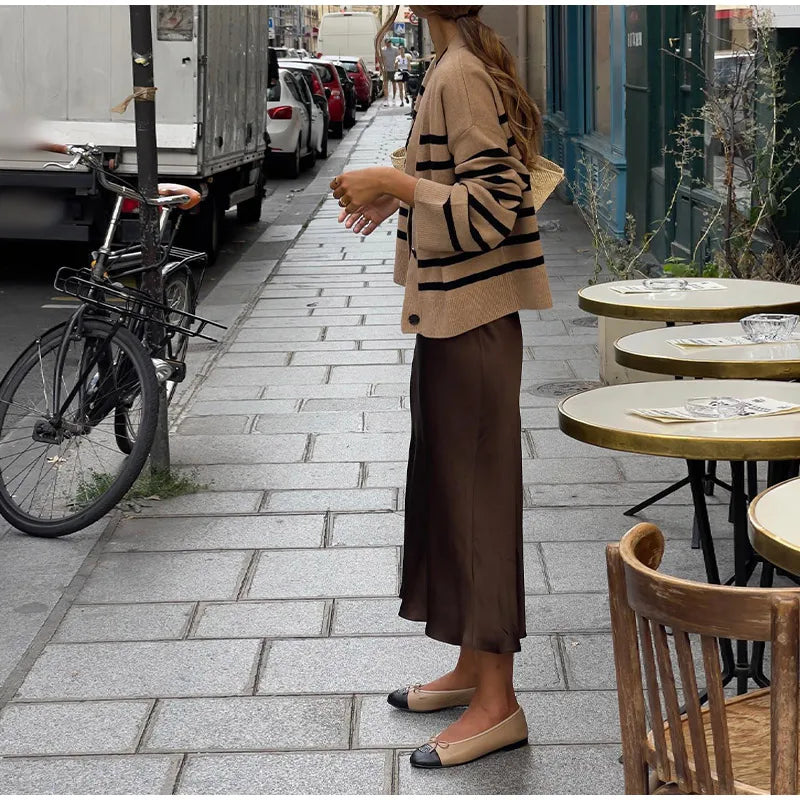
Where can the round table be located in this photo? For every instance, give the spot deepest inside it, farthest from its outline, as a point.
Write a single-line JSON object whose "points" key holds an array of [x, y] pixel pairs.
{"points": [[601, 417], [774, 526], [738, 299], [651, 351]]}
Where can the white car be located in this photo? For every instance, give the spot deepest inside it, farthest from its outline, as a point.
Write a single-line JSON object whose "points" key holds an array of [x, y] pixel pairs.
{"points": [[294, 138]]}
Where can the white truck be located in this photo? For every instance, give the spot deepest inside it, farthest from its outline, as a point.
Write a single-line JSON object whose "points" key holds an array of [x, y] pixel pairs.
{"points": [[65, 67], [349, 33]]}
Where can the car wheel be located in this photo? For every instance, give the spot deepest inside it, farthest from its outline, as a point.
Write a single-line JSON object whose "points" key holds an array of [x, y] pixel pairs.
{"points": [[337, 130], [293, 162], [311, 157]]}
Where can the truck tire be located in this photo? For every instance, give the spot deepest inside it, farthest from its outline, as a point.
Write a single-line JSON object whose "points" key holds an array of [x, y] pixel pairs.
{"points": [[337, 130], [207, 230], [249, 211]]}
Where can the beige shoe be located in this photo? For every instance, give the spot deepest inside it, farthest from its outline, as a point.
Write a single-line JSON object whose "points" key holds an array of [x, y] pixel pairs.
{"points": [[509, 734], [415, 698]]}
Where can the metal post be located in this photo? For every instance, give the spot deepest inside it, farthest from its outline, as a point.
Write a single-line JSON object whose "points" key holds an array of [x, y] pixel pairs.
{"points": [[147, 159]]}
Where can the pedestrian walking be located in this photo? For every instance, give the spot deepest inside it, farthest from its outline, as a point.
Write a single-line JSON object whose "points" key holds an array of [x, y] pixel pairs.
{"points": [[469, 256], [388, 56], [401, 67]]}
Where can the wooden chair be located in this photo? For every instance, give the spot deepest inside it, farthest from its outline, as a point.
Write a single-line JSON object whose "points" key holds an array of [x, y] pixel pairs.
{"points": [[744, 745]]}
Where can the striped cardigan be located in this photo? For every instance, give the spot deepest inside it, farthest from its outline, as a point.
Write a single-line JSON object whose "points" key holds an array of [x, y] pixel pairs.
{"points": [[468, 250]]}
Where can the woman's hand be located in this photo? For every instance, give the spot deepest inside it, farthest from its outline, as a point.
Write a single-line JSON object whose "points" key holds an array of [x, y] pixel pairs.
{"points": [[365, 219], [363, 187], [358, 188]]}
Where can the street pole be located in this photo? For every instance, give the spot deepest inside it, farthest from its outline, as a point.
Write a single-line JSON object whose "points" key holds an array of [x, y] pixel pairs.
{"points": [[144, 95]]}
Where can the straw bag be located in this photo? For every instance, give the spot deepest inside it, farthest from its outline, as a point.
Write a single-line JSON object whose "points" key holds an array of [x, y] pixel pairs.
{"points": [[545, 175]]}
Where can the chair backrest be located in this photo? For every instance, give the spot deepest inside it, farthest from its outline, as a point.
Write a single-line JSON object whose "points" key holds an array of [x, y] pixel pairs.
{"points": [[644, 605]]}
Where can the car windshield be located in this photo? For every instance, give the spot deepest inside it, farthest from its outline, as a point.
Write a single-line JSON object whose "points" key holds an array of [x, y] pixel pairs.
{"points": [[351, 66], [327, 72], [274, 92]]}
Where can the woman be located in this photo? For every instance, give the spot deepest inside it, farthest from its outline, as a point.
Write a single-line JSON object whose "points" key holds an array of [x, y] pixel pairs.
{"points": [[469, 256], [401, 66]]}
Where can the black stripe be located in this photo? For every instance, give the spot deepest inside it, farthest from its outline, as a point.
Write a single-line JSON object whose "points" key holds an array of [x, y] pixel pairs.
{"points": [[498, 195], [511, 142], [444, 286], [503, 119], [476, 236], [432, 138], [492, 152], [526, 212], [494, 169], [402, 235], [497, 180], [488, 216], [522, 238], [423, 166], [403, 211], [451, 226]]}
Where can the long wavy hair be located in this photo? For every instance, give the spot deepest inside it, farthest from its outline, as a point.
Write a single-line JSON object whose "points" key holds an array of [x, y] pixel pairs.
{"points": [[524, 118]]}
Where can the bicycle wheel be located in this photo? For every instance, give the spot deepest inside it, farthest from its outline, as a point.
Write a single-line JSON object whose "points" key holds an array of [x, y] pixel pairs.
{"points": [[179, 295], [61, 472]]}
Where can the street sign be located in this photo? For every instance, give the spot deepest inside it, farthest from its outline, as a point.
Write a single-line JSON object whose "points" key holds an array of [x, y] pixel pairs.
{"points": [[412, 18], [271, 28], [399, 29]]}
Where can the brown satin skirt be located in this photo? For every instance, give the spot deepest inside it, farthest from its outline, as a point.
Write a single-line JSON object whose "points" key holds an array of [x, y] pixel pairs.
{"points": [[462, 554]]}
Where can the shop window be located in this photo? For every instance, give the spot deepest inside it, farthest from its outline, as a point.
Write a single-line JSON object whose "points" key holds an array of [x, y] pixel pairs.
{"points": [[601, 69], [731, 75]]}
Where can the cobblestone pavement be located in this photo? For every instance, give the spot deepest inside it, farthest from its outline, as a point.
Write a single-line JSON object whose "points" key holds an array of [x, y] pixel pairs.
{"points": [[243, 639]]}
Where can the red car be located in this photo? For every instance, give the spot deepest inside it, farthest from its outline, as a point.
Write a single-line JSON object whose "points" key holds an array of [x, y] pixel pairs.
{"points": [[336, 99], [359, 74]]}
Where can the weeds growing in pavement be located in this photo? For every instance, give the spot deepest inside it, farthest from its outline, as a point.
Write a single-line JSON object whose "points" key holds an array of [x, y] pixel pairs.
{"points": [[150, 485]]}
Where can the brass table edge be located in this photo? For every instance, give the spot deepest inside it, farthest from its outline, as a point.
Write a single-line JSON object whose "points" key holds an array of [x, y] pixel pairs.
{"points": [[695, 448], [767, 544], [743, 370], [604, 308]]}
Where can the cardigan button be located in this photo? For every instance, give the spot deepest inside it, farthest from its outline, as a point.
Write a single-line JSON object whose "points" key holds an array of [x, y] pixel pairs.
{"points": [[413, 319]]}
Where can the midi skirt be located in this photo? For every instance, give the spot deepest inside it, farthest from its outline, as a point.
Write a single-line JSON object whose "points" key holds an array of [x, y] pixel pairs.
{"points": [[462, 568]]}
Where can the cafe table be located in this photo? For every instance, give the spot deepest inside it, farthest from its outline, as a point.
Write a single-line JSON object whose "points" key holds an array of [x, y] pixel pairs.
{"points": [[653, 351], [603, 417], [775, 526], [738, 298]]}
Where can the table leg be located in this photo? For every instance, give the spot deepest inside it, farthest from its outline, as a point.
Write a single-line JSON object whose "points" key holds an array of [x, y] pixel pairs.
{"points": [[742, 553], [656, 497]]}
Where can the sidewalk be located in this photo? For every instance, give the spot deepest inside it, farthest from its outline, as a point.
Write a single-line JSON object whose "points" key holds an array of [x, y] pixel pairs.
{"points": [[243, 640]]}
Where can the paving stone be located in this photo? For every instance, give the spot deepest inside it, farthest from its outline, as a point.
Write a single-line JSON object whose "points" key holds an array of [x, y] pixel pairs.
{"points": [[346, 572], [554, 613], [532, 565], [586, 369], [554, 444], [581, 566], [321, 391], [260, 619], [603, 494], [397, 389], [284, 346], [238, 449], [286, 773], [539, 418], [360, 447], [218, 425], [142, 669], [344, 404], [362, 332], [315, 321], [372, 616], [570, 470], [132, 577], [332, 500], [386, 473], [651, 468], [358, 357], [266, 376], [565, 351], [398, 343], [215, 533], [202, 503], [589, 661], [224, 394], [136, 622], [104, 775], [48, 729], [308, 423], [367, 530], [387, 422], [250, 333], [547, 770], [247, 408], [280, 476], [300, 302], [546, 371], [382, 663], [250, 723]]}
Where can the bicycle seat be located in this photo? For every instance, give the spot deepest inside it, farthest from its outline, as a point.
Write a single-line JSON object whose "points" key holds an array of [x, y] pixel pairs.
{"points": [[170, 189]]}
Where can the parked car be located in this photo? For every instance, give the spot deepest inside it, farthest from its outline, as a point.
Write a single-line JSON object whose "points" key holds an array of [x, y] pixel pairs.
{"points": [[357, 71], [317, 102], [349, 88], [285, 52], [337, 102], [289, 124]]}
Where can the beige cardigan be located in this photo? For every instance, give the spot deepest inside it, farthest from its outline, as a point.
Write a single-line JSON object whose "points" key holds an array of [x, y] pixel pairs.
{"points": [[468, 251]]}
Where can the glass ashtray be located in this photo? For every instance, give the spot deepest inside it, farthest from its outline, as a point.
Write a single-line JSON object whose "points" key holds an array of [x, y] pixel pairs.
{"points": [[665, 284], [714, 407], [769, 327]]}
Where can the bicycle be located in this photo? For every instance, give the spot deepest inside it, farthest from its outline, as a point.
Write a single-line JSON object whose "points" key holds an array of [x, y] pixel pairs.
{"points": [[78, 408]]}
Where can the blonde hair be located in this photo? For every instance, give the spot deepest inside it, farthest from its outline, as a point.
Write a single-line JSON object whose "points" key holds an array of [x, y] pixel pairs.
{"points": [[524, 118]]}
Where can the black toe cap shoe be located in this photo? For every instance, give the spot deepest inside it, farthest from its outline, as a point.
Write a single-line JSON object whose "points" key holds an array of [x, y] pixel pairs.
{"points": [[399, 698], [426, 757]]}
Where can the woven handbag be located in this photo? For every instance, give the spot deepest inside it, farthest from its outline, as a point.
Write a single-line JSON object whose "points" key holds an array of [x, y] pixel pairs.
{"points": [[545, 175]]}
